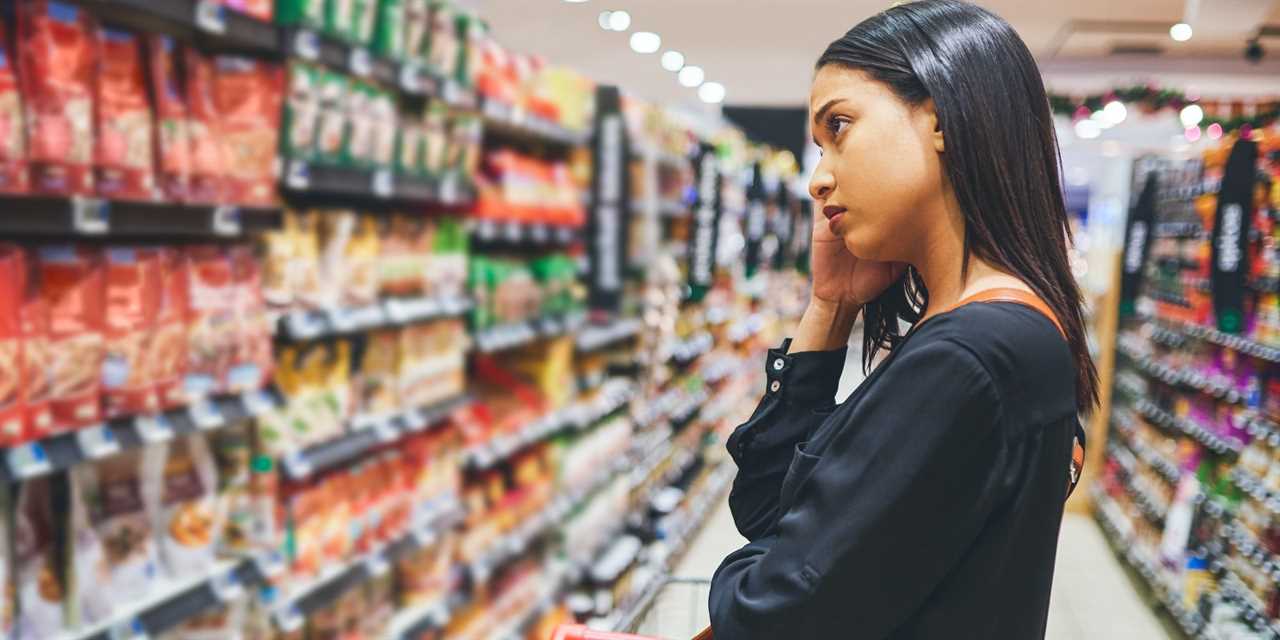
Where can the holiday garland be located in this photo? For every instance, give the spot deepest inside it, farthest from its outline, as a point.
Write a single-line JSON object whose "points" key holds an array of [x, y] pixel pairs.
{"points": [[1150, 99]]}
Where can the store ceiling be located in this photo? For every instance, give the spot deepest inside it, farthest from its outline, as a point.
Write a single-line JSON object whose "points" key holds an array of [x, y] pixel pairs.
{"points": [[763, 50]]}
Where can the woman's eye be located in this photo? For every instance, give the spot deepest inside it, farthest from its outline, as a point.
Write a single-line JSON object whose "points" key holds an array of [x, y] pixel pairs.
{"points": [[836, 126]]}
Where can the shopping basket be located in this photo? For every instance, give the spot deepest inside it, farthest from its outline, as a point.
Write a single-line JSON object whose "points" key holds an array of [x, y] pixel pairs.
{"points": [[668, 614]]}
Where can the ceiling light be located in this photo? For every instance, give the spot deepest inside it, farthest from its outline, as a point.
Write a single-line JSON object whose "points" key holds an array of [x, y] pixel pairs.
{"points": [[672, 61], [1088, 129], [711, 93], [645, 42], [1115, 112], [1180, 32], [605, 17], [1102, 119], [1191, 115], [691, 76], [619, 21]]}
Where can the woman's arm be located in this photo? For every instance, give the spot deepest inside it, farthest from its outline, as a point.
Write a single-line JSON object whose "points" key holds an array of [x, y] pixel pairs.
{"points": [[888, 510]]}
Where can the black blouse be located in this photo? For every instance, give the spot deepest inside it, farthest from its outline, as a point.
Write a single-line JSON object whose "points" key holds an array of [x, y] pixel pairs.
{"points": [[927, 505]]}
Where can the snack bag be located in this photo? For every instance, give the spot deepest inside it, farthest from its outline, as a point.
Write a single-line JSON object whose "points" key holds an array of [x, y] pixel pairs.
{"points": [[362, 263], [445, 42], [167, 349], [376, 383], [121, 494], [211, 320], [36, 364], [209, 155], [417, 26], [386, 128], [364, 21], [172, 143], [12, 289], [339, 17], [14, 177], [252, 359], [388, 39], [334, 117], [188, 518], [233, 453], [132, 297], [123, 166], [71, 282], [38, 573], [308, 13], [56, 56], [302, 112], [248, 95], [89, 570], [361, 125]]}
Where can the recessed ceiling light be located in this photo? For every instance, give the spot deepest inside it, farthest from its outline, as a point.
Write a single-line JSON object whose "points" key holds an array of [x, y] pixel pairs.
{"points": [[691, 76], [605, 17], [1180, 32], [619, 21], [673, 61], [645, 42], [711, 93]]}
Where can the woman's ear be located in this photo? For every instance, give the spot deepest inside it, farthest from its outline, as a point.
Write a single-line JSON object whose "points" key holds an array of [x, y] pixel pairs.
{"points": [[930, 112]]}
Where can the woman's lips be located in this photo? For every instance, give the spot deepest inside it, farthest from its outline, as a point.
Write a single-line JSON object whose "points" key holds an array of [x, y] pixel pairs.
{"points": [[833, 214]]}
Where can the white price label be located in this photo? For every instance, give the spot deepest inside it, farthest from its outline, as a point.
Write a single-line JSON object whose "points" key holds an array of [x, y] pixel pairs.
{"points": [[154, 429], [210, 17], [512, 231], [385, 431], [297, 175], [306, 45], [302, 326], [90, 216], [424, 537], [360, 62], [226, 221], [28, 461], [414, 420], [383, 183], [207, 415], [449, 195], [227, 587], [297, 465], [258, 402], [411, 77], [98, 441]]}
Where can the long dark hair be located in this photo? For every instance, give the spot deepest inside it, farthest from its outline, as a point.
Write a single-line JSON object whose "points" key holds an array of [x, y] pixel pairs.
{"points": [[1001, 156]]}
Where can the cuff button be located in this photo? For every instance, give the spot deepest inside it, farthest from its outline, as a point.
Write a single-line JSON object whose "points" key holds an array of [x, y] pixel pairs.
{"points": [[778, 364], [774, 386]]}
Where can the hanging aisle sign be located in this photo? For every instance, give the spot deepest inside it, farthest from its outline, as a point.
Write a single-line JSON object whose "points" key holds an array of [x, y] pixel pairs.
{"points": [[757, 219], [706, 223], [609, 222], [1137, 243], [1231, 236]]}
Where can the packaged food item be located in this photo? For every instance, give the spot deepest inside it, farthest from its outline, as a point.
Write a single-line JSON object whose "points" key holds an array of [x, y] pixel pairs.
{"points": [[71, 281], [388, 39], [386, 128], [364, 19], [309, 13], [233, 454], [362, 125], [219, 623], [302, 112], [56, 60], [211, 320], [12, 289], [209, 155], [14, 177], [133, 283], [448, 259], [445, 41], [417, 28], [167, 348], [187, 518], [88, 569], [40, 586], [8, 605], [121, 494], [411, 146], [123, 166], [361, 258], [36, 364], [436, 133], [263, 10], [401, 263], [251, 361], [334, 117], [377, 377], [168, 95], [247, 96], [339, 17]]}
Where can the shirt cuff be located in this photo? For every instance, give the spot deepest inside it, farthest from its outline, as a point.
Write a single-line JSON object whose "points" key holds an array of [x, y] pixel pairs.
{"points": [[807, 378]]}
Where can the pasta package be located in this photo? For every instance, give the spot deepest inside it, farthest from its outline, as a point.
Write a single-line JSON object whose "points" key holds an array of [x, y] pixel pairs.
{"points": [[71, 281], [172, 144], [211, 318], [209, 156], [12, 289], [57, 55], [14, 177], [168, 347], [188, 514], [248, 95], [121, 494], [252, 359], [132, 296], [123, 166], [36, 364], [40, 584]]}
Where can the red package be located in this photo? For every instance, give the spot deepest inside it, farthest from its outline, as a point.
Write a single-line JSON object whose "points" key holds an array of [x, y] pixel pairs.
{"points": [[251, 364], [12, 288], [122, 156], [13, 136], [261, 9], [71, 284], [132, 297], [37, 364], [168, 347], [208, 153], [173, 155], [56, 57], [211, 320], [249, 96]]}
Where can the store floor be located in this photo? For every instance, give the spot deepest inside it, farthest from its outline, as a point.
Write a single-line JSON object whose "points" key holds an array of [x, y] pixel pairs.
{"points": [[1092, 596]]}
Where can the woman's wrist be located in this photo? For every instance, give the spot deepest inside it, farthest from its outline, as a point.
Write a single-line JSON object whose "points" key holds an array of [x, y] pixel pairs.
{"points": [[825, 325]]}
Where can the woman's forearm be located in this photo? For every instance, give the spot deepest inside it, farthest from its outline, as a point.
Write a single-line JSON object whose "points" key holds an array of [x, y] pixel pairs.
{"points": [[825, 326]]}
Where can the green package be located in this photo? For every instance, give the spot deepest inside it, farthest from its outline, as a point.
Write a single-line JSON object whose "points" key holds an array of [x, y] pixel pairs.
{"points": [[410, 146], [364, 17], [481, 313], [332, 135], [389, 34], [417, 29], [339, 18], [436, 134], [302, 110], [306, 13], [382, 110], [361, 125]]}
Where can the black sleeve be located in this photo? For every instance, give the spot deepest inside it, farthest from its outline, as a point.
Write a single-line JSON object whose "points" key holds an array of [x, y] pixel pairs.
{"points": [[896, 498], [800, 391]]}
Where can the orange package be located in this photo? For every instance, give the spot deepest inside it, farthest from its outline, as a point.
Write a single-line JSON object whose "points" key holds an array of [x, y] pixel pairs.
{"points": [[37, 366], [13, 136], [209, 157], [211, 323], [122, 154], [71, 282], [249, 96], [252, 360], [12, 287], [132, 297], [173, 156], [168, 345]]}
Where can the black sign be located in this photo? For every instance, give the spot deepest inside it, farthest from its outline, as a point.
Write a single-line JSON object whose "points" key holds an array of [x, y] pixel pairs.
{"points": [[706, 223], [757, 218], [1231, 236], [609, 222], [1137, 243]]}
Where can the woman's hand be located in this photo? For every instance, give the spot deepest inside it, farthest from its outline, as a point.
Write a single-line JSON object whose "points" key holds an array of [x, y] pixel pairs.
{"points": [[841, 278]]}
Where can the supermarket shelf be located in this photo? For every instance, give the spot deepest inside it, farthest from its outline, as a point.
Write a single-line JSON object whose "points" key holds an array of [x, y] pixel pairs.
{"points": [[416, 620], [61, 452], [1233, 589], [319, 592], [212, 25], [663, 157], [1182, 230], [1171, 376], [594, 337], [307, 179], [96, 217], [171, 604], [309, 45], [1164, 419], [508, 121], [1230, 341], [513, 233], [684, 352], [367, 433], [519, 334], [1157, 461], [1249, 548], [1256, 488], [310, 325]]}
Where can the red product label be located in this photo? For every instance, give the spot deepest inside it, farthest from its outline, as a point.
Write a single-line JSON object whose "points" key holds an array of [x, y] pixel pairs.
{"points": [[122, 150], [168, 346], [36, 365], [252, 360], [13, 138], [211, 325], [171, 139], [72, 286], [132, 298], [208, 151], [11, 387], [56, 61], [249, 98]]}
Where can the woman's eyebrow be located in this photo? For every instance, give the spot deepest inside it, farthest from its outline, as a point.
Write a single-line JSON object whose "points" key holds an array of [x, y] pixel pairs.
{"points": [[817, 115]]}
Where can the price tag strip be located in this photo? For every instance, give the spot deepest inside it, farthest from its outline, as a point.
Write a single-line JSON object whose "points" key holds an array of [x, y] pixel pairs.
{"points": [[154, 429], [97, 442], [28, 461], [207, 415]]}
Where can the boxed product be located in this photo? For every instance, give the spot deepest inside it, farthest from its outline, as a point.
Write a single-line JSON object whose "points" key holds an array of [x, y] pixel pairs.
{"points": [[362, 124], [233, 454], [209, 154], [411, 146], [121, 494], [211, 320], [133, 283], [376, 379], [339, 18], [12, 289], [71, 283], [89, 568], [56, 55], [122, 157], [14, 176], [432, 362], [448, 261], [302, 111], [188, 519], [168, 95], [167, 348], [349, 258], [39, 579], [386, 128], [247, 97]]}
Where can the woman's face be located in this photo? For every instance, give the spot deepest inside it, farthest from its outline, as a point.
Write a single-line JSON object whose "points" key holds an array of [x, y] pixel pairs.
{"points": [[880, 179]]}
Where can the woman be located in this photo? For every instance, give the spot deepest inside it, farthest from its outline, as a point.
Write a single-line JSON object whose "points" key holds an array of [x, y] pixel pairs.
{"points": [[927, 505]]}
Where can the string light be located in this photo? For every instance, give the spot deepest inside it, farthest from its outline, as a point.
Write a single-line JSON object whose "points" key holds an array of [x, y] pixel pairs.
{"points": [[1192, 134], [691, 76], [1215, 131], [645, 42], [1088, 129], [1180, 32], [1191, 115], [673, 61], [712, 93], [1115, 111]]}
